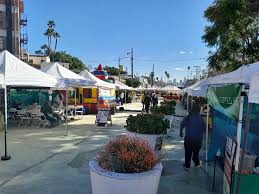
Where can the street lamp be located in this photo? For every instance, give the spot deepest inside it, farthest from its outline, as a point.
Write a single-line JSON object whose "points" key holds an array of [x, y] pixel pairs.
{"points": [[119, 61]]}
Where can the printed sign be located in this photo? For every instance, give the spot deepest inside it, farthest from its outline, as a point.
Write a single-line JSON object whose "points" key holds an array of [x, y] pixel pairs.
{"points": [[225, 99], [228, 165], [103, 116]]}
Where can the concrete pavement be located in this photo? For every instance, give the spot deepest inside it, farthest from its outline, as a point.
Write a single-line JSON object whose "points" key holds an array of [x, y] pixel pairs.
{"points": [[44, 161]]}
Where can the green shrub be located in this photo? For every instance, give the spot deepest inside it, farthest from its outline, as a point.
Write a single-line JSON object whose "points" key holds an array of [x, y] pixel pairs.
{"points": [[147, 124], [163, 110], [127, 155]]}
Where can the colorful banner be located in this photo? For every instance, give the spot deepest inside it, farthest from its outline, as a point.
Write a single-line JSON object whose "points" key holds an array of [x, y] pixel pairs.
{"points": [[225, 99]]}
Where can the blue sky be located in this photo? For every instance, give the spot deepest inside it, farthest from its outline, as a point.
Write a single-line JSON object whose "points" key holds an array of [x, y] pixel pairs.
{"points": [[166, 33]]}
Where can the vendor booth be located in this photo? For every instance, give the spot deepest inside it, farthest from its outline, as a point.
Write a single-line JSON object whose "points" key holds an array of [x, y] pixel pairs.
{"points": [[101, 95], [235, 137], [14, 73], [67, 84]]}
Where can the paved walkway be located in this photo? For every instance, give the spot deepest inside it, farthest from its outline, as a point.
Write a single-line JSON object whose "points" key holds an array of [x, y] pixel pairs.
{"points": [[44, 161]]}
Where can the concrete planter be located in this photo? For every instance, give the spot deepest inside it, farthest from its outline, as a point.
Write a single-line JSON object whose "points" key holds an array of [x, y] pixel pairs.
{"points": [[106, 182], [155, 141], [169, 118]]}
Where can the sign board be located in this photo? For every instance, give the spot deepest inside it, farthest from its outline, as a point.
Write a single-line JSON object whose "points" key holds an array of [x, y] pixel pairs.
{"points": [[225, 99], [103, 116], [228, 165]]}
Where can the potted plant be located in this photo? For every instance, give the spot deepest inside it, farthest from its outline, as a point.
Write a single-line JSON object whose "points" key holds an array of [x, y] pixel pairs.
{"points": [[150, 127], [125, 165], [167, 108]]}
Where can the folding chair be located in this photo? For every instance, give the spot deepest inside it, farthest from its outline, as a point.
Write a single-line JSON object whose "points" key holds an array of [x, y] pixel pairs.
{"points": [[79, 110], [39, 119], [23, 118]]}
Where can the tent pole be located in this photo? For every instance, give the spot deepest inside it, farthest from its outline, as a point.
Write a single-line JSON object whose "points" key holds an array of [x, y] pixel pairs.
{"points": [[248, 117], [187, 103], [207, 133], [239, 129], [66, 111], [75, 96], [5, 157]]}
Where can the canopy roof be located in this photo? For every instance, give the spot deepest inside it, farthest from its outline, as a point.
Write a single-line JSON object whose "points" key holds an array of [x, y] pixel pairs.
{"points": [[140, 88], [170, 88], [121, 86], [241, 75], [14, 72], [100, 83], [65, 77], [254, 89], [153, 88]]}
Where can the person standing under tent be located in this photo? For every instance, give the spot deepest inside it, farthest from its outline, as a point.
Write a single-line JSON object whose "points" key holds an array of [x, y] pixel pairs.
{"points": [[54, 118], [194, 127], [142, 100], [122, 98], [147, 102], [154, 100]]}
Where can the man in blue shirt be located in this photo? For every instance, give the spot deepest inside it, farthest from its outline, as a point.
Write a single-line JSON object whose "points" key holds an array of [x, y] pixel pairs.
{"points": [[194, 127]]}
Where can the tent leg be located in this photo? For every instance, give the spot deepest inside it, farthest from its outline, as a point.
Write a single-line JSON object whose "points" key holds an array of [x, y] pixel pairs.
{"points": [[5, 157], [66, 111], [239, 130], [207, 134], [248, 117]]}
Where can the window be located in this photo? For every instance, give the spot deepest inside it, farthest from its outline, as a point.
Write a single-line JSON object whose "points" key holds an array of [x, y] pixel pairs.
{"points": [[2, 20], [87, 92], [1, 42]]}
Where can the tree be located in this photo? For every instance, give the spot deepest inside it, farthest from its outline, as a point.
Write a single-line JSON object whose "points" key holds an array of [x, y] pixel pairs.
{"points": [[111, 70], [75, 64], [56, 35], [51, 33], [39, 52], [167, 75], [233, 33], [136, 82]]}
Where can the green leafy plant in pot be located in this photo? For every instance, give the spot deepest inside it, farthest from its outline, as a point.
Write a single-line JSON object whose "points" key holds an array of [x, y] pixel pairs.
{"points": [[147, 124]]}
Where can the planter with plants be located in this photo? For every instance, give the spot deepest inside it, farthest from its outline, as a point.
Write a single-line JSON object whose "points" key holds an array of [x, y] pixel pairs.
{"points": [[166, 111], [150, 127], [125, 165]]}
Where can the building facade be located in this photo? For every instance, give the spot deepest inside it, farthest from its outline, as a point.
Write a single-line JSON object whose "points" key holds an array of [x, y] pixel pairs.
{"points": [[12, 21]]}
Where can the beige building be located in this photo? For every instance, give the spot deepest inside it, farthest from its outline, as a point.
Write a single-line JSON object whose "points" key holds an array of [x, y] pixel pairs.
{"points": [[12, 21], [36, 61]]}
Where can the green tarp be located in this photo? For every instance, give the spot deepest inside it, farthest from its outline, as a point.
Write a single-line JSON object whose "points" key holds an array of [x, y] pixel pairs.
{"points": [[225, 99]]}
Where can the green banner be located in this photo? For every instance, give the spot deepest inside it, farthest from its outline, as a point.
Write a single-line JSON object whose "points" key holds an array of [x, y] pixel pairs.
{"points": [[225, 99]]}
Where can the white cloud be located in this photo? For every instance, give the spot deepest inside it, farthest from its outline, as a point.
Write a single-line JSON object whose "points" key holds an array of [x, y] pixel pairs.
{"points": [[179, 69], [190, 52], [182, 52]]}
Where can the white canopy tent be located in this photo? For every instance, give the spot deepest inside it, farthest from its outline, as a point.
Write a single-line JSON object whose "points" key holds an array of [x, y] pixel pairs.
{"points": [[16, 73], [171, 88], [66, 79], [253, 96], [120, 86], [99, 83], [140, 88], [153, 88], [241, 75]]}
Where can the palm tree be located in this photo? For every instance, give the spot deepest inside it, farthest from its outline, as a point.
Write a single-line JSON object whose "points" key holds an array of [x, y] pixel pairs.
{"points": [[56, 35], [51, 24], [39, 52], [167, 76]]}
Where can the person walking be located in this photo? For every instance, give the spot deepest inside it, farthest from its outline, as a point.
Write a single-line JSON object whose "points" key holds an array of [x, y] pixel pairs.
{"points": [[142, 100], [122, 98], [194, 127], [147, 102]]}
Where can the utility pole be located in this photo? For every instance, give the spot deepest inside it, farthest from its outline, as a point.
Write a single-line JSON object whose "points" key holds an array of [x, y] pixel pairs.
{"points": [[119, 74], [188, 76], [197, 69], [152, 75], [131, 58]]}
